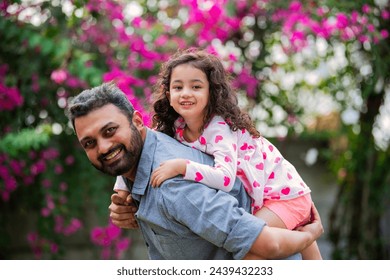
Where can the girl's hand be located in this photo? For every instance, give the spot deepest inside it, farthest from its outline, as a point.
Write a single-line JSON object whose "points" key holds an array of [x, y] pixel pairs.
{"points": [[168, 169]]}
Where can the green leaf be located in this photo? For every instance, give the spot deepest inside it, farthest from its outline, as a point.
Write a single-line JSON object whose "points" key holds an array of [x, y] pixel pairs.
{"points": [[25, 140]]}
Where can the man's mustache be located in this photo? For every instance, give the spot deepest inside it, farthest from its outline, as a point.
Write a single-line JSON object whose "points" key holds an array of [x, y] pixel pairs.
{"points": [[102, 156]]}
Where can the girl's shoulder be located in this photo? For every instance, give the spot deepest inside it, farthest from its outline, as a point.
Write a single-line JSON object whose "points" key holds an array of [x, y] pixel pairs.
{"points": [[217, 123], [217, 119]]}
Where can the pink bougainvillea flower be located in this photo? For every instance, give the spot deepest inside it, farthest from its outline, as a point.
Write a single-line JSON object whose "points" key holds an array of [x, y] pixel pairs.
{"points": [[10, 97], [384, 33], [59, 76], [74, 225], [69, 160]]}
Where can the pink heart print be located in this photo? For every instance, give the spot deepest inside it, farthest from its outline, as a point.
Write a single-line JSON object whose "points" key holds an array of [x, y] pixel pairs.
{"points": [[277, 159], [226, 181], [271, 176], [289, 176], [228, 159], [271, 148], [267, 189], [218, 138], [244, 147], [199, 177], [202, 140], [286, 191], [260, 166], [256, 184], [180, 131]]}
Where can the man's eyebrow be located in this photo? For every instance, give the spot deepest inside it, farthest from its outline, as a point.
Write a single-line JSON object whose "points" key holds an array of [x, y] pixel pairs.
{"points": [[106, 126], [101, 130]]}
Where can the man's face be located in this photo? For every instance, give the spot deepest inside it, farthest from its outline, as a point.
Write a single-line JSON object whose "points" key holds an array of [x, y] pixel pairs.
{"points": [[113, 144]]}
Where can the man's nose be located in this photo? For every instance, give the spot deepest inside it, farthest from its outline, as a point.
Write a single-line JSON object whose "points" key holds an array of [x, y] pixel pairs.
{"points": [[104, 146]]}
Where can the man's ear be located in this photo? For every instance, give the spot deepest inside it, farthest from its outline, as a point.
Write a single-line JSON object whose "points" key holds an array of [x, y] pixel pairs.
{"points": [[138, 120]]}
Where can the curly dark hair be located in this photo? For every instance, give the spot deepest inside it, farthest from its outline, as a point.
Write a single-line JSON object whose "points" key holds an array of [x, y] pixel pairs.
{"points": [[222, 102]]}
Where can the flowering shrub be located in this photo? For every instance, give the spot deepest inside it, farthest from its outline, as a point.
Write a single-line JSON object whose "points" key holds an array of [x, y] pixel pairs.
{"points": [[9, 96], [52, 50], [297, 22], [113, 246]]}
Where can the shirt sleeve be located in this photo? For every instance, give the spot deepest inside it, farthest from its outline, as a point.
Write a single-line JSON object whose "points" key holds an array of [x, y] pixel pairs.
{"points": [[213, 215], [220, 142]]}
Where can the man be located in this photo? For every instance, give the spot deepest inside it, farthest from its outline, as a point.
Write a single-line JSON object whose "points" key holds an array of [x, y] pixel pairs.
{"points": [[181, 219]]}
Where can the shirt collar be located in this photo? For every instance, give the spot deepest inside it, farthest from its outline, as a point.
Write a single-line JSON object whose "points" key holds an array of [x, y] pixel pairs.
{"points": [[144, 168]]}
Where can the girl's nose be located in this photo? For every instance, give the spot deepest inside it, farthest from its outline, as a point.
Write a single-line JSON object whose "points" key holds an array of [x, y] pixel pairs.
{"points": [[186, 92]]}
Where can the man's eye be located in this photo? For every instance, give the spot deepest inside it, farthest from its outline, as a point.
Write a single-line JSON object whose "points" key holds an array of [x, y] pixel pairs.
{"points": [[88, 144], [110, 130]]}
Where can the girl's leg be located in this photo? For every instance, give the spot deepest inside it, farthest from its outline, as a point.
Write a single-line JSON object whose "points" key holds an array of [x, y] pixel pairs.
{"points": [[282, 216], [271, 219], [312, 252]]}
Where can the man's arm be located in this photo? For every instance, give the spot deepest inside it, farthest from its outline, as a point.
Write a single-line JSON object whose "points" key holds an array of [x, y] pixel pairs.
{"points": [[271, 243], [277, 243]]}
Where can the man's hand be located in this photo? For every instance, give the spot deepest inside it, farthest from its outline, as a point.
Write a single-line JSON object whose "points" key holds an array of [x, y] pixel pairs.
{"points": [[122, 212], [278, 243], [315, 226]]}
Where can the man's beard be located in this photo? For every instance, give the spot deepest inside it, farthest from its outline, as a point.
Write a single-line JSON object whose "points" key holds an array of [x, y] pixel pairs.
{"points": [[128, 161]]}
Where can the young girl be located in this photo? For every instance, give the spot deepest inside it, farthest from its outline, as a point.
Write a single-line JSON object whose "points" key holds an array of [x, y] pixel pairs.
{"points": [[197, 105]]}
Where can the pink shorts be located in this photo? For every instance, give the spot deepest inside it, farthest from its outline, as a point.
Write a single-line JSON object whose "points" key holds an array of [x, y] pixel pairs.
{"points": [[293, 212]]}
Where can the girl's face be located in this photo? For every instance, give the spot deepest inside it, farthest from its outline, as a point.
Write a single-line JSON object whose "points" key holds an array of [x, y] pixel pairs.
{"points": [[189, 92]]}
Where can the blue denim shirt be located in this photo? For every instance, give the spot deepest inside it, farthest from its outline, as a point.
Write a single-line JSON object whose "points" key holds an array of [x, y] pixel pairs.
{"points": [[188, 220]]}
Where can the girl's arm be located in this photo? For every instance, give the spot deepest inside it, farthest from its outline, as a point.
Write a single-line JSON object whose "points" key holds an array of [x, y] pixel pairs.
{"points": [[120, 184], [220, 142], [121, 188], [168, 169]]}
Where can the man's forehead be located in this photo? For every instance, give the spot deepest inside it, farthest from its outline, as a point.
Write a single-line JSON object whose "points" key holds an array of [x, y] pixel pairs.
{"points": [[98, 118]]}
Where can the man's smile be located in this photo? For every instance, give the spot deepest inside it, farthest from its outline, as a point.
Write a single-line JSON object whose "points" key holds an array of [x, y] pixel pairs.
{"points": [[113, 154]]}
